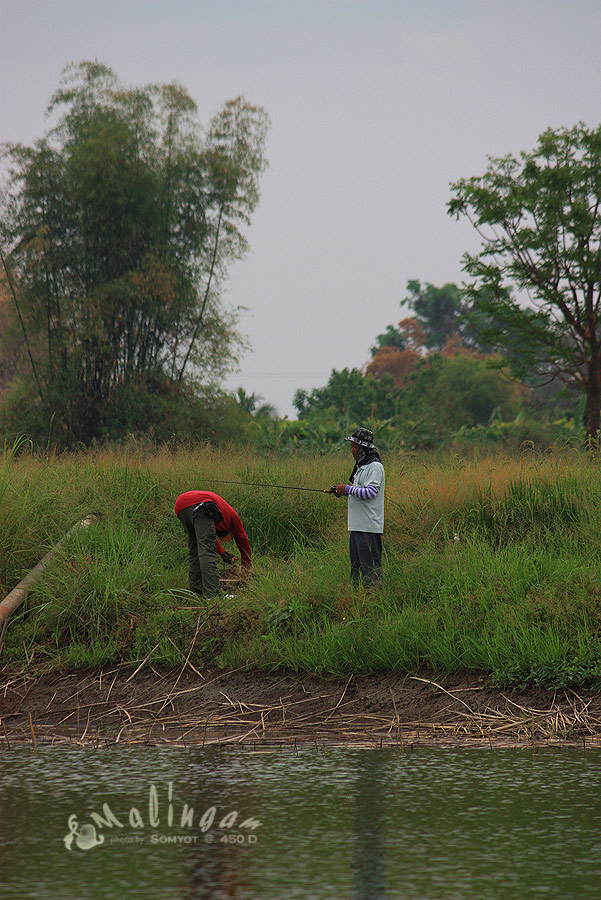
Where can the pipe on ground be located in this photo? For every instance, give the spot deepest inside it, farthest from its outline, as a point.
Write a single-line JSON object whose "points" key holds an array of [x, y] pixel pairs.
{"points": [[18, 594]]}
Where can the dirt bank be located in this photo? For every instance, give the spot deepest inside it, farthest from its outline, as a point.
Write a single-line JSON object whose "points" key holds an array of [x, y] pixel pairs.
{"points": [[189, 707]]}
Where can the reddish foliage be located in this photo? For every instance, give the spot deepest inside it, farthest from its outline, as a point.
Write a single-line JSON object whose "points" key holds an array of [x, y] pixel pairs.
{"points": [[415, 334], [455, 345], [395, 362], [399, 363]]}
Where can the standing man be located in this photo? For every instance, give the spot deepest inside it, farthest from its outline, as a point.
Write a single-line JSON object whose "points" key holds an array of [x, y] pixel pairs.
{"points": [[365, 508], [206, 517]]}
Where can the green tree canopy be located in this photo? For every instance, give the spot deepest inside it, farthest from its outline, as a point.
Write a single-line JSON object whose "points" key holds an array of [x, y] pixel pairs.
{"points": [[440, 314], [447, 392], [441, 395], [120, 224], [395, 337], [438, 309], [349, 398], [539, 219]]}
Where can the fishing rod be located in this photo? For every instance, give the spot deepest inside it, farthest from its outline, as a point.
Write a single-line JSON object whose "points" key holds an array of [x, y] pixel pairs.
{"points": [[288, 487], [283, 487]]}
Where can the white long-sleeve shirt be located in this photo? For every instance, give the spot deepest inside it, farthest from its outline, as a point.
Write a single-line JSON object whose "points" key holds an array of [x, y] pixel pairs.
{"points": [[366, 499]]}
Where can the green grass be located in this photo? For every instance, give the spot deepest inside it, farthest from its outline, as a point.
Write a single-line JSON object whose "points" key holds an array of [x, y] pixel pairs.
{"points": [[516, 597]]}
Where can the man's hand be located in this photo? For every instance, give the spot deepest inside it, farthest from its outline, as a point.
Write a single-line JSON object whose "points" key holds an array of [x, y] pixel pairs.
{"points": [[228, 557], [339, 489]]}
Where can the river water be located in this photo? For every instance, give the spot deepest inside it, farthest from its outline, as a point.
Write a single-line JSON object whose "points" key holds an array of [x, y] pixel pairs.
{"points": [[174, 824]]}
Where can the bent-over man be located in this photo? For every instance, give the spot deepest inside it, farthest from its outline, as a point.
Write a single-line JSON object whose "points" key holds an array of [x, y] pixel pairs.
{"points": [[207, 517]]}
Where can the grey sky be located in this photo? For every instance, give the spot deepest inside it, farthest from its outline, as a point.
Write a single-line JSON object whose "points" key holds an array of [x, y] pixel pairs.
{"points": [[375, 107]]}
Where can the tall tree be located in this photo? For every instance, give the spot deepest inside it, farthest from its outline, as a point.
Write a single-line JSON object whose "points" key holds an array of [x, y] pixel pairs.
{"points": [[539, 219], [349, 398], [439, 315], [439, 310], [448, 391], [122, 222], [397, 357]]}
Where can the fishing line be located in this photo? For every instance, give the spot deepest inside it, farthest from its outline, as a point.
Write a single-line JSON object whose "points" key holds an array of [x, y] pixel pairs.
{"points": [[283, 487], [289, 487]]}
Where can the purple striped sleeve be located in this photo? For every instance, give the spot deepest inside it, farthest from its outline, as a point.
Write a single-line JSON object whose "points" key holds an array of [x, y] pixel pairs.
{"points": [[362, 493]]}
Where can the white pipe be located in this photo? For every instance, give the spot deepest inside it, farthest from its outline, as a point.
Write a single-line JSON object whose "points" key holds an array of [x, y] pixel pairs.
{"points": [[18, 594]]}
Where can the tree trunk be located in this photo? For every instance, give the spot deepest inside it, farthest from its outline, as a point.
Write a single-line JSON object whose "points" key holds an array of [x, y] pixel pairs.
{"points": [[593, 401], [206, 296]]}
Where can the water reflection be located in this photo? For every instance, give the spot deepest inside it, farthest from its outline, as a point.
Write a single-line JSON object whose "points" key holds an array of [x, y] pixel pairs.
{"points": [[367, 825], [369, 861], [219, 870]]}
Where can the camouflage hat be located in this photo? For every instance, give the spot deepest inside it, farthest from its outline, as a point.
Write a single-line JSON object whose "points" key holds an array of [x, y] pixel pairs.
{"points": [[362, 436]]}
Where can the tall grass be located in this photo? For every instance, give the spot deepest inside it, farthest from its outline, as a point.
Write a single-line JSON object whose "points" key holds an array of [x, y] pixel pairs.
{"points": [[491, 564]]}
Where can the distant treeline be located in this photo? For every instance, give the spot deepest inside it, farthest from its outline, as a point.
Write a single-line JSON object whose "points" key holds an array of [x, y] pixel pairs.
{"points": [[118, 228]]}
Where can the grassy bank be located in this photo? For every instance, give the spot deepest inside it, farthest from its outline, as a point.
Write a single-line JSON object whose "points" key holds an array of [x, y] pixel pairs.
{"points": [[491, 565]]}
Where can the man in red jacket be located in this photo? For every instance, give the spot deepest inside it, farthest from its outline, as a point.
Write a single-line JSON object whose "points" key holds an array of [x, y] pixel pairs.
{"points": [[207, 517]]}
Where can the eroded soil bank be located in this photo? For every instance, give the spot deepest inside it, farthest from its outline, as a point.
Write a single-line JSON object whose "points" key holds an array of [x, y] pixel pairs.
{"points": [[184, 707]]}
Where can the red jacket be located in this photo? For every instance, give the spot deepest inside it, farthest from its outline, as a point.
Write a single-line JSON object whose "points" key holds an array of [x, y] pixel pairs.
{"points": [[231, 523]]}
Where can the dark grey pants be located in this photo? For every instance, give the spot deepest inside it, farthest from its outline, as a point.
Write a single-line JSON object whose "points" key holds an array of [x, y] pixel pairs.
{"points": [[203, 576], [365, 551]]}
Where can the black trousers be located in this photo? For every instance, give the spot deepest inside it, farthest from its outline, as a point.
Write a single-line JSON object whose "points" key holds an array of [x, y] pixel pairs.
{"points": [[199, 525], [365, 550]]}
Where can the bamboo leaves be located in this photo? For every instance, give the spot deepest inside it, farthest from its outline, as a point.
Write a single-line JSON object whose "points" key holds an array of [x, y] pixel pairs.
{"points": [[123, 221]]}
